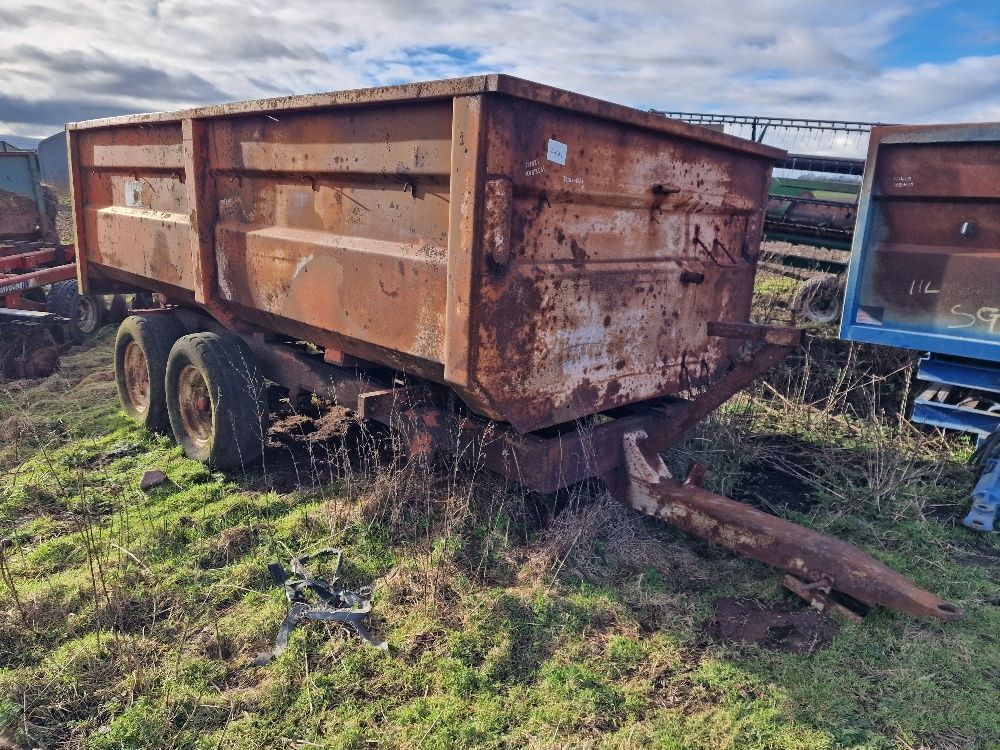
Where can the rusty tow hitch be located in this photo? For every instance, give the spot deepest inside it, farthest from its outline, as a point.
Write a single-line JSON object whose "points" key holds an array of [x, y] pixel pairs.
{"points": [[818, 565]]}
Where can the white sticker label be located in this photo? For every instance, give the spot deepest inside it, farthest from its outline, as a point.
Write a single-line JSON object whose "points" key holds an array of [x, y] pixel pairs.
{"points": [[556, 152], [133, 193]]}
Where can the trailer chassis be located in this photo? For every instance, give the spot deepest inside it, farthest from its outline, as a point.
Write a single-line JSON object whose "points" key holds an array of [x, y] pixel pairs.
{"points": [[621, 448]]}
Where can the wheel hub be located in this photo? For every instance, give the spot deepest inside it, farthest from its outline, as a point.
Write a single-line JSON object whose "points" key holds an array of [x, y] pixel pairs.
{"points": [[195, 404], [88, 313], [136, 372]]}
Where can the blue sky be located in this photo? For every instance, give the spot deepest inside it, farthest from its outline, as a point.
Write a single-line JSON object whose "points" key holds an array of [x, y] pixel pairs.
{"points": [[945, 31], [883, 60]]}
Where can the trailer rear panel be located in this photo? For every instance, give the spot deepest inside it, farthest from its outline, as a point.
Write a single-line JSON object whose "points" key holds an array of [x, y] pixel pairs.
{"points": [[926, 259]]}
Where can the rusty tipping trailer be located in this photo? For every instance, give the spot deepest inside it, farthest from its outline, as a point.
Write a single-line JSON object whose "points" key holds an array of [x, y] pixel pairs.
{"points": [[484, 264]]}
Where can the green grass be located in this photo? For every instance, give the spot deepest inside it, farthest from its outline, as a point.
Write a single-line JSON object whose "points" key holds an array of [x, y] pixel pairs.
{"points": [[137, 615], [773, 284]]}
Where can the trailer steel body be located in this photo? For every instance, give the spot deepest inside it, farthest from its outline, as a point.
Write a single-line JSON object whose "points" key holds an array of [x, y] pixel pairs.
{"points": [[23, 213], [30, 255], [564, 266], [925, 262]]}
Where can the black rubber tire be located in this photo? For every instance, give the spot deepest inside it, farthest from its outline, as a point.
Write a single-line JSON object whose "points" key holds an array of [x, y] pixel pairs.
{"points": [[820, 299], [65, 301], [155, 336], [236, 415]]}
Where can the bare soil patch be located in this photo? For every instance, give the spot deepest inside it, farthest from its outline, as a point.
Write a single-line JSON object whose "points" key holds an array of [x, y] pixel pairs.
{"points": [[774, 626]]}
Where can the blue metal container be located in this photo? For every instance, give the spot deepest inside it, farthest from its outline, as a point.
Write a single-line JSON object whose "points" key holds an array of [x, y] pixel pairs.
{"points": [[925, 261]]}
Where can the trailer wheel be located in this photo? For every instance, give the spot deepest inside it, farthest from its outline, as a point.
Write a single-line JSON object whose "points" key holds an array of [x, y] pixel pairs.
{"points": [[142, 348], [217, 400], [83, 311], [820, 299]]}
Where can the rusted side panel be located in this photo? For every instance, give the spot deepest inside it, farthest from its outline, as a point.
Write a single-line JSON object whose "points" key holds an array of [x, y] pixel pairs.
{"points": [[338, 220], [389, 96], [926, 259], [78, 197], [623, 244], [133, 202], [958, 169], [467, 155]]}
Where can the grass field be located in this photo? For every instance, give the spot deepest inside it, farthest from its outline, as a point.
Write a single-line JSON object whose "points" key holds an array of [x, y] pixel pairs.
{"points": [[129, 619]]}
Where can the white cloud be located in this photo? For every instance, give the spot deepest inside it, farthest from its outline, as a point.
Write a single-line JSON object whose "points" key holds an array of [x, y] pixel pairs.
{"points": [[782, 57]]}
